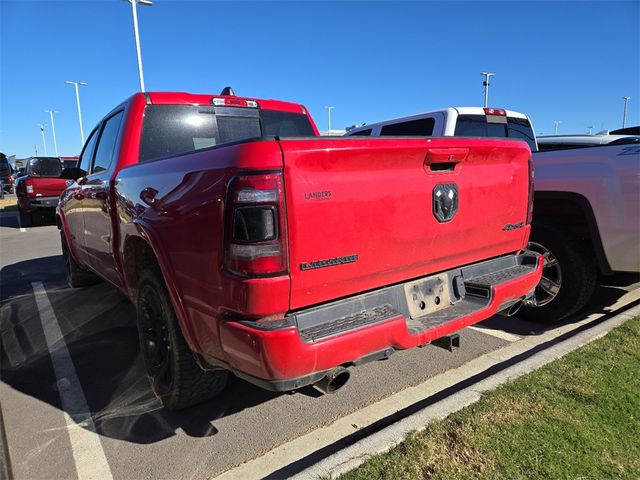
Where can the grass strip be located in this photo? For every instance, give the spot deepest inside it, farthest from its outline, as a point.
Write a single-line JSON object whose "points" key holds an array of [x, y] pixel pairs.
{"points": [[577, 417], [7, 204]]}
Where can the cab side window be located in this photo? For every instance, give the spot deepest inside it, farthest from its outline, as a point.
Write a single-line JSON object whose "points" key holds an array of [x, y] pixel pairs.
{"points": [[422, 127], [84, 163], [107, 143]]}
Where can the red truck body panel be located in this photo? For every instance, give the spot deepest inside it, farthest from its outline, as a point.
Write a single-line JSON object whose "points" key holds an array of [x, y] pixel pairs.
{"points": [[379, 208], [377, 204]]}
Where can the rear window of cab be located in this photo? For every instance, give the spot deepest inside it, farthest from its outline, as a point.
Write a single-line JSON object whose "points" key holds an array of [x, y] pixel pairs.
{"points": [[478, 126], [178, 129]]}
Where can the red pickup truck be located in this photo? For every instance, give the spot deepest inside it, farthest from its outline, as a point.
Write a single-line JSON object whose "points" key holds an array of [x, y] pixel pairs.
{"points": [[251, 245], [39, 187]]}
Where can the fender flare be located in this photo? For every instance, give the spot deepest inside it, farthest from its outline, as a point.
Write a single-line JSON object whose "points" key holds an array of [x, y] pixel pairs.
{"points": [[592, 224], [147, 233]]}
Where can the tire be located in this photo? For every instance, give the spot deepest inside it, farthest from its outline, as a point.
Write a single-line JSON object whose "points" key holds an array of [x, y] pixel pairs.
{"points": [[26, 219], [175, 377], [77, 276], [569, 272]]}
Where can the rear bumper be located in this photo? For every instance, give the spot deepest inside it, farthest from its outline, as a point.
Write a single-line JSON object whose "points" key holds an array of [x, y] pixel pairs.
{"points": [[33, 203], [300, 349]]}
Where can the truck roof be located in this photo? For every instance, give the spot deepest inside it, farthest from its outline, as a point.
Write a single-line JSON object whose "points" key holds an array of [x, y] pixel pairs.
{"points": [[184, 98], [448, 112]]}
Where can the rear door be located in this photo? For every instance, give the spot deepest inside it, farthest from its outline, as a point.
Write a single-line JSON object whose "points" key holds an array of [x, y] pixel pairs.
{"points": [[72, 201], [363, 213]]}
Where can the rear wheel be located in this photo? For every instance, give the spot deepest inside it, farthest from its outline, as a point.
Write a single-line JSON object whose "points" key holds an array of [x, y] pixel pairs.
{"points": [[26, 219], [77, 276], [568, 278], [175, 377]]}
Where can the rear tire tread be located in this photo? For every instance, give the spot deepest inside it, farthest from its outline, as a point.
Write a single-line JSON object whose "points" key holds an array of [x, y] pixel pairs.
{"points": [[191, 384]]}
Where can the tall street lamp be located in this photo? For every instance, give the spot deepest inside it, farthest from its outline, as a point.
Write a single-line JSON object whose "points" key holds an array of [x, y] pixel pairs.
{"points": [[624, 115], [329, 108], [53, 129], [76, 84], [487, 76], [44, 141], [134, 11]]}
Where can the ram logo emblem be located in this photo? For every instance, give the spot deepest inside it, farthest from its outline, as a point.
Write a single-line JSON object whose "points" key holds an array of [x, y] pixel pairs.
{"points": [[445, 201]]}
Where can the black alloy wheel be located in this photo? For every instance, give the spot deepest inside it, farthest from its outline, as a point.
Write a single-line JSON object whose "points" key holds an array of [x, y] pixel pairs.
{"points": [[155, 342], [551, 282]]}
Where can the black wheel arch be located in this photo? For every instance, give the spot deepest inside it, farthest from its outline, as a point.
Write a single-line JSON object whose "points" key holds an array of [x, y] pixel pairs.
{"points": [[572, 211]]}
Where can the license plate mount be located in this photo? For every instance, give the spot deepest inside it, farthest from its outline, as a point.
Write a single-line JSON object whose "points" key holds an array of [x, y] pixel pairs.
{"points": [[428, 295]]}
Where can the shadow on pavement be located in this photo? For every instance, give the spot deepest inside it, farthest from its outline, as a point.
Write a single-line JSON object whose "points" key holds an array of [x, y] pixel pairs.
{"points": [[99, 327], [9, 219], [608, 291]]}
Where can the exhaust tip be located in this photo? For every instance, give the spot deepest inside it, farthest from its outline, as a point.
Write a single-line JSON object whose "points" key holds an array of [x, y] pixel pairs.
{"points": [[333, 381], [512, 309]]}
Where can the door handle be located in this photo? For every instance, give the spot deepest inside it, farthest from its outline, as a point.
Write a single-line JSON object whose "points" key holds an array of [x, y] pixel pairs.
{"points": [[444, 159], [148, 195]]}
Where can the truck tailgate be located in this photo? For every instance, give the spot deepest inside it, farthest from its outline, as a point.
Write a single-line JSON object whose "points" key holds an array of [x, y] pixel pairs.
{"points": [[48, 187], [361, 212]]}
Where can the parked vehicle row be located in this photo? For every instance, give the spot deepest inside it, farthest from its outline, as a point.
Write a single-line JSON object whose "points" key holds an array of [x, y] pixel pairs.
{"points": [[251, 245]]}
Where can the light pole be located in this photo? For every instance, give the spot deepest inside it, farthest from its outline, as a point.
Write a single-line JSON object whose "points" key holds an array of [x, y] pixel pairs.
{"points": [[79, 112], [44, 142], [624, 115], [555, 124], [487, 76], [589, 128], [53, 129], [134, 11], [329, 108]]}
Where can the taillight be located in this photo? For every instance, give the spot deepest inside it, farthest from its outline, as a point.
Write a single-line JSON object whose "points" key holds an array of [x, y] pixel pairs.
{"points": [[10, 179], [495, 111], [234, 102], [29, 187], [255, 226], [530, 199]]}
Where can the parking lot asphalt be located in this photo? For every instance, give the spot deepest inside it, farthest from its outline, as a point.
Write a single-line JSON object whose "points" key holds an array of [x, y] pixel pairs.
{"points": [[138, 437]]}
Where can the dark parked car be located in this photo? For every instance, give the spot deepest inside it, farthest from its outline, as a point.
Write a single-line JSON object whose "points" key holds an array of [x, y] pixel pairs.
{"points": [[6, 174]]}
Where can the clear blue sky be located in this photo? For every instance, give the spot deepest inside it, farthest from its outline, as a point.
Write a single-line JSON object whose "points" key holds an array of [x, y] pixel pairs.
{"points": [[567, 61]]}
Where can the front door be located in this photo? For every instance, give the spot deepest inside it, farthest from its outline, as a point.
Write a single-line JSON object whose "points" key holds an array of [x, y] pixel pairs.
{"points": [[98, 229]]}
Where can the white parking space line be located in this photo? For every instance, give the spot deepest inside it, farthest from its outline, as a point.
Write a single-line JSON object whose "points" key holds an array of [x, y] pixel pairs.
{"points": [[88, 455], [509, 337], [22, 229]]}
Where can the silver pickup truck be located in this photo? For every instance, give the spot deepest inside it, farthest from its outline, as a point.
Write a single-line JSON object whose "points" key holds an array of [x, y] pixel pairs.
{"points": [[586, 220]]}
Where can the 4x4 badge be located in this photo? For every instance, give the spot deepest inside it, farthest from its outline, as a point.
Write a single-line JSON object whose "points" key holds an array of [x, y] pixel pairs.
{"points": [[445, 201]]}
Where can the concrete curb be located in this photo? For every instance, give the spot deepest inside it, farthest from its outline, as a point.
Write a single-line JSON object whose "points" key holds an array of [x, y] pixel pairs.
{"points": [[353, 456]]}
